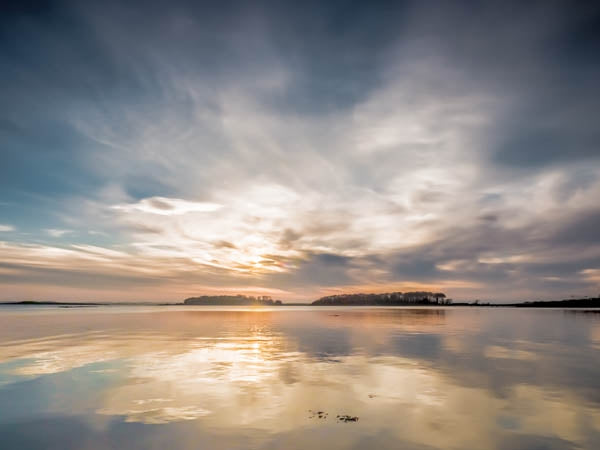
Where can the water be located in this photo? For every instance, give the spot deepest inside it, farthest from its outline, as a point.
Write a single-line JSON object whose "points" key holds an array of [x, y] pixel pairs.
{"points": [[235, 378]]}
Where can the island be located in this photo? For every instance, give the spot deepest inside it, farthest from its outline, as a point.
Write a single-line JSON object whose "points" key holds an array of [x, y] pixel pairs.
{"points": [[385, 299], [245, 300], [422, 298]]}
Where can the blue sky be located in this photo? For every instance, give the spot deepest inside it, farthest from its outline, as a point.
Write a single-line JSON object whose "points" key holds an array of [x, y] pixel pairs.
{"points": [[154, 150]]}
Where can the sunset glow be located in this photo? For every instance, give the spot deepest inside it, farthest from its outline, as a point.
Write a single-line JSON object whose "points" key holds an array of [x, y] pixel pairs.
{"points": [[196, 150]]}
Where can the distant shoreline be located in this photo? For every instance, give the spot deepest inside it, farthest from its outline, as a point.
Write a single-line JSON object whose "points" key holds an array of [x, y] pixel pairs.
{"points": [[571, 303]]}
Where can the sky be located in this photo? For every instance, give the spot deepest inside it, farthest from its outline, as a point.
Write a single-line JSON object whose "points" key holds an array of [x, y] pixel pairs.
{"points": [[151, 151]]}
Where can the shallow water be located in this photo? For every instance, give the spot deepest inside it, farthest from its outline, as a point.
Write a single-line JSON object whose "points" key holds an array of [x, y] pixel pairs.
{"points": [[229, 378]]}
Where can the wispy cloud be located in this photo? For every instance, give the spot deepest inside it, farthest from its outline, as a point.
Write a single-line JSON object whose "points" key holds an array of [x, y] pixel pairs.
{"points": [[204, 149], [168, 206], [54, 232]]}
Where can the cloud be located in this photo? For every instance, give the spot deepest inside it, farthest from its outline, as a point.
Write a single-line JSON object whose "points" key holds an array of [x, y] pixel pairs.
{"points": [[303, 149], [168, 206], [6, 228], [57, 232]]}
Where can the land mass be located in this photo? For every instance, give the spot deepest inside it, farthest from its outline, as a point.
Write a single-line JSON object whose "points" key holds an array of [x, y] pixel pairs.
{"points": [[243, 300], [386, 299], [428, 298], [572, 303], [47, 302]]}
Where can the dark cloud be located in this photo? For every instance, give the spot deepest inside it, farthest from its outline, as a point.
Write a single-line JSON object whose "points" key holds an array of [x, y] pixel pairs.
{"points": [[316, 270], [224, 244], [581, 229], [288, 238], [541, 138], [161, 204]]}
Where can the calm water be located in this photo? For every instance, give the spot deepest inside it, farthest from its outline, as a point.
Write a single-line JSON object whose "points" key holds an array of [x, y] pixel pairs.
{"points": [[214, 378]]}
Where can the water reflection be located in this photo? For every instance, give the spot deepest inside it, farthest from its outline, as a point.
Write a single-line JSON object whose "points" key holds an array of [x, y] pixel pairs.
{"points": [[417, 378]]}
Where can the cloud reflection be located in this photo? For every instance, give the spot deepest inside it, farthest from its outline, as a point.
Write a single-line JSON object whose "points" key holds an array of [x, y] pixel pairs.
{"points": [[427, 377]]}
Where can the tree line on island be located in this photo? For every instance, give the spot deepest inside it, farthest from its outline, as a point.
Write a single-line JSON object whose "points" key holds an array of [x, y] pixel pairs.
{"points": [[245, 300], [386, 299]]}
